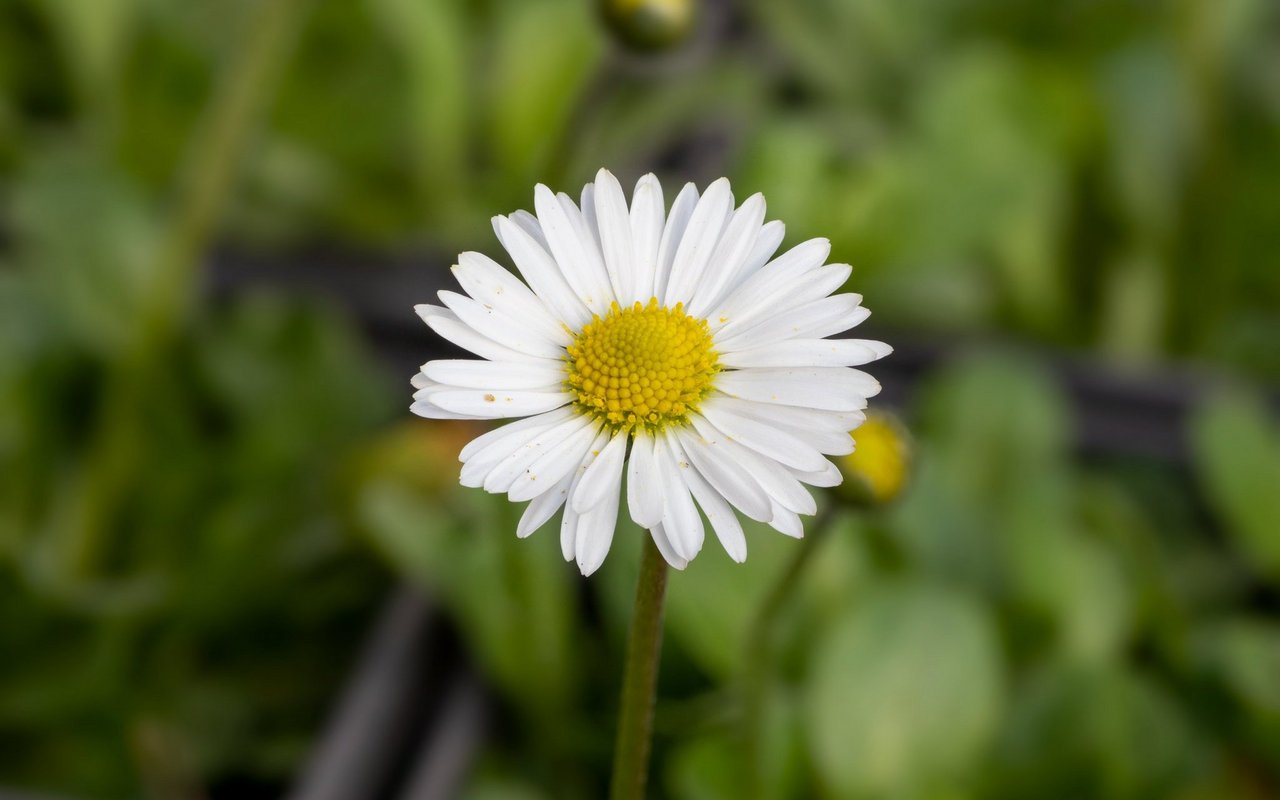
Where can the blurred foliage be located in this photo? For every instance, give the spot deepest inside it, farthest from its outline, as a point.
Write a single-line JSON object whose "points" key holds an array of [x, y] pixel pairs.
{"points": [[178, 603]]}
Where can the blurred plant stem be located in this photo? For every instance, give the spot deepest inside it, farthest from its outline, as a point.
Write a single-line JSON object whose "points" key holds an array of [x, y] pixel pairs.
{"points": [[640, 673], [758, 658], [214, 154]]}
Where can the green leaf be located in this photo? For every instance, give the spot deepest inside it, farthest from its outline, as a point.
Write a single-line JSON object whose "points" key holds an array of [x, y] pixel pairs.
{"points": [[905, 692], [1237, 449]]}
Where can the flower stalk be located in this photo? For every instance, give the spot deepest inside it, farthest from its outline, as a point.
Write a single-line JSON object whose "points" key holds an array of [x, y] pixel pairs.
{"points": [[644, 648]]}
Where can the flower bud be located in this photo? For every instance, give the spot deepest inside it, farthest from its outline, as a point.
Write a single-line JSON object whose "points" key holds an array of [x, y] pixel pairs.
{"points": [[649, 25], [878, 469]]}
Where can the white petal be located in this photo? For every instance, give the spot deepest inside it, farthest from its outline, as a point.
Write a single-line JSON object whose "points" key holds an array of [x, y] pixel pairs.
{"points": [[680, 517], [603, 475], [782, 305], [571, 522], [447, 325], [543, 273], [786, 522], [499, 327], [817, 320], [511, 429], [778, 484], [752, 297], [574, 249], [731, 252], [491, 285], [595, 531], [808, 353], [543, 507], [587, 208], [499, 404], [723, 521], [500, 478], [828, 476], [647, 219], [486, 452], [830, 388], [502, 375], [429, 410], [699, 243], [644, 485], [771, 442], [821, 438], [526, 222], [725, 475], [762, 249], [614, 220], [665, 547], [677, 223], [548, 469]]}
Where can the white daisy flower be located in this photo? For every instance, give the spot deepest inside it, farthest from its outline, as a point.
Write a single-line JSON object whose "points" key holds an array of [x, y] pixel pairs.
{"points": [[667, 344]]}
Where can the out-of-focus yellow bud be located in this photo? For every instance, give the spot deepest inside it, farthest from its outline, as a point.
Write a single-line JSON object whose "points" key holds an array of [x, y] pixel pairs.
{"points": [[649, 25], [878, 469]]}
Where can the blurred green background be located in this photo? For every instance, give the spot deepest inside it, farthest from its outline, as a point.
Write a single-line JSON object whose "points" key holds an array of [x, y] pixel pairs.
{"points": [[204, 499]]}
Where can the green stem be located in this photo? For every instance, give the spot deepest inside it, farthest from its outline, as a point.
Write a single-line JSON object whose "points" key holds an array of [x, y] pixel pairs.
{"points": [[758, 661], [644, 645]]}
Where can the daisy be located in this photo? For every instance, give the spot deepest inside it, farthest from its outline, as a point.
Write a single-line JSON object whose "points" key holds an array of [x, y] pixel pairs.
{"points": [[667, 344]]}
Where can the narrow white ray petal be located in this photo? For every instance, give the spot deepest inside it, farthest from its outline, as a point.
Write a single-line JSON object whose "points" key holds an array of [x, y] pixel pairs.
{"points": [[816, 285], [796, 418], [723, 521], [595, 530], [447, 325], [419, 381], [725, 475], [512, 429], [499, 404], [699, 242], [680, 517], [765, 245], [614, 220], [822, 439], [499, 327], [648, 216], [428, 410], [544, 276], [490, 284], [727, 260], [665, 547], [560, 459], [543, 507], [786, 522], [587, 208], [565, 237], [827, 476], [486, 452], [773, 478], [771, 442], [672, 235], [808, 353], [830, 388], [505, 472], [571, 521], [753, 295], [504, 375], [574, 248], [526, 222], [603, 475], [816, 320], [644, 486]]}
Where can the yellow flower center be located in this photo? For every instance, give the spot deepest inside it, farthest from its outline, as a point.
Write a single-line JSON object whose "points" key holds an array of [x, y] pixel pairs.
{"points": [[644, 365]]}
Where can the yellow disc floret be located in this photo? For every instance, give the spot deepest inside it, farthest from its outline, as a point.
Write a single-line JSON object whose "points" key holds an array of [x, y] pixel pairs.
{"points": [[643, 366]]}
